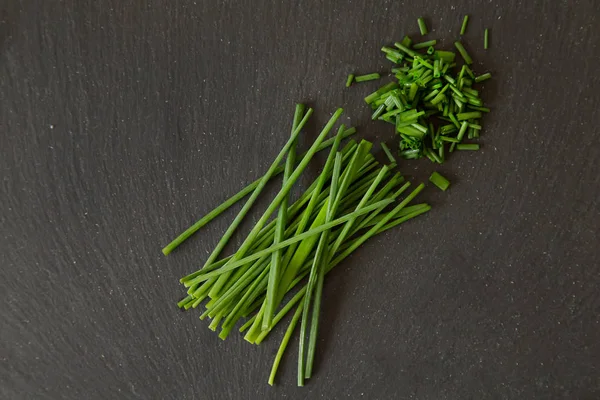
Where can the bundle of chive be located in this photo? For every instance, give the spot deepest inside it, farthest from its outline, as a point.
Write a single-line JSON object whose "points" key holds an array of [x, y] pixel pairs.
{"points": [[430, 104], [349, 202]]}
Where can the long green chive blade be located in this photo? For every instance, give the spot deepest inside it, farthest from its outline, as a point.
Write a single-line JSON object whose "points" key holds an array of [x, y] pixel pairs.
{"points": [[237, 197], [280, 226], [422, 26], [467, 146], [349, 80], [387, 152], [483, 77], [439, 181], [463, 52], [367, 77], [486, 39], [313, 276], [463, 28], [284, 343]]}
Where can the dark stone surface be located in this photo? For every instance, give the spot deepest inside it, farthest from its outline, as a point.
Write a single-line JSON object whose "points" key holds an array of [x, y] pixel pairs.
{"points": [[123, 121]]}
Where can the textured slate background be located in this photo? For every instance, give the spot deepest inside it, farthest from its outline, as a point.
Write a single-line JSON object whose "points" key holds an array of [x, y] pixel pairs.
{"points": [[123, 121]]}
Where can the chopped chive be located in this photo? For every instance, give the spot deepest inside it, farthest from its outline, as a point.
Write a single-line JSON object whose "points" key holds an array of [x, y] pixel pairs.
{"points": [[387, 152], [436, 68], [486, 38], [422, 26], [467, 146], [423, 45], [463, 52], [367, 77], [439, 181], [468, 115], [449, 139], [447, 56], [461, 132], [406, 41], [406, 49], [483, 77], [482, 109], [378, 112], [431, 50], [382, 90], [463, 28], [349, 80]]}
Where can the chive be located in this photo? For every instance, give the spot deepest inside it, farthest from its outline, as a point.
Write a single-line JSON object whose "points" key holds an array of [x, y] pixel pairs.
{"points": [[232, 200], [463, 28], [486, 38], [406, 41], [284, 343], [382, 90], [406, 49], [422, 26], [469, 146], [483, 77], [482, 109], [447, 56], [367, 77], [463, 52], [468, 115], [388, 153], [423, 45], [439, 181], [461, 132], [449, 139], [436, 68], [430, 50], [378, 112], [317, 261], [281, 222], [349, 80], [391, 52]]}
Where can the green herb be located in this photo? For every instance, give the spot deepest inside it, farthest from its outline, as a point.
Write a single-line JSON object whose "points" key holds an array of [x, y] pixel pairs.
{"points": [[424, 45], [387, 152], [463, 52], [349, 80], [439, 181], [367, 77], [465, 146], [422, 26], [463, 28], [486, 39], [483, 77]]}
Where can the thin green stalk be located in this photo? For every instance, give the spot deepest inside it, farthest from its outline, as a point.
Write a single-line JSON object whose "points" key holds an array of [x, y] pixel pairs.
{"points": [[234, 199], [321, 247], [284, 343], [280, 227]]}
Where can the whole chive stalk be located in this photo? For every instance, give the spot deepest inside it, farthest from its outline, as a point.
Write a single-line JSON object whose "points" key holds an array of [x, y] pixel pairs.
{"points": [[349, 80], [463, 28], [467, 146], [422, 26], [317, 261], [281, 222], [486, 39], [424, 45], [463, 52], [234, 199], [367, 77], [439, 181]]}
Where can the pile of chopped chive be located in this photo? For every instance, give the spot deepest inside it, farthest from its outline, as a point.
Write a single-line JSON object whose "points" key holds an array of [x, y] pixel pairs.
{"points": [[433, 103], [353, 199]]}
